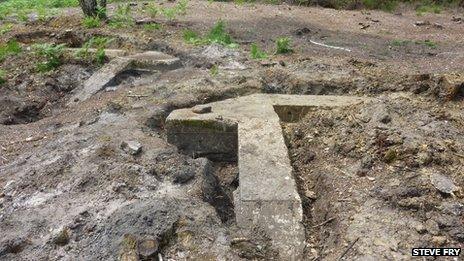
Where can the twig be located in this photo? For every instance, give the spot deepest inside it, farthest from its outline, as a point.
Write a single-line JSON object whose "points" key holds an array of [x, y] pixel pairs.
{"points": [[323, 223], [239, 240], [330, 46], [348, 249], [160, 257], [137, 95]]}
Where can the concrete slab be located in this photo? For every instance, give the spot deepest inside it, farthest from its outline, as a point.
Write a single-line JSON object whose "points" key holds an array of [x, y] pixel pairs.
{"points": [[248, 128], [147, 60]]}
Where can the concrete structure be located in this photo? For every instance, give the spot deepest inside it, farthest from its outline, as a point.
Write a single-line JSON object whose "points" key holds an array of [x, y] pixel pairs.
{"points": [[248, 128], [151, 60]]}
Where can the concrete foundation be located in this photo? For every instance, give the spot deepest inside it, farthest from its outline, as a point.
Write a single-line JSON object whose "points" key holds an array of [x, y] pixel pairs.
{"points": [[248, 129]]}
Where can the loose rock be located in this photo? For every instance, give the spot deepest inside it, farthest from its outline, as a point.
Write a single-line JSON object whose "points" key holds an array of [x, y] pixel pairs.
{"points": [[443, 183], [201, 109], [131, 147]]}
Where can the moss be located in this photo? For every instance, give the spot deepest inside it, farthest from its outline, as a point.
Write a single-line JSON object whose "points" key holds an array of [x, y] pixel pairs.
{"points": [[390, 155], [204, 125]]}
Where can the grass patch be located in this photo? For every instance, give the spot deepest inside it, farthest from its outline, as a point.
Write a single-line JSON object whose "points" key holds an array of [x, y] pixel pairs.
{"points": [[50, 54], [122, 17], [429, 8], [214, 70], [169, 13], [10, 48], [428, 43], [217, 35], [99, 43], [283, 45], [402, 43], [91, 22], [2, 77], [385, 5], [22, 8], [151, 27], [257, 53], [398, 43], [5, 28]]}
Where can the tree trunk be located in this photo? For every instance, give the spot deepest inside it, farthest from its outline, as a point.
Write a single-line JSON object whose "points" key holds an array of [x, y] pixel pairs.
{"points": [[90, 7]]}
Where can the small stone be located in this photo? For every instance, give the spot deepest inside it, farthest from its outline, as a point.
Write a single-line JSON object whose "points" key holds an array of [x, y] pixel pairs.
{"points": [[310, 194], [443, 183], [422, 23], [439, 240], [420, 228], [201, 109], [61, 237], [432, 227], [148, 248], [424, 158], [131, 147]]}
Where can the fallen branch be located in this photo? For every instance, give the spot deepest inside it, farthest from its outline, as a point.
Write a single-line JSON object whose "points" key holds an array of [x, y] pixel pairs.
{"points": [[330, 46], [323, 223], [348, 249]]}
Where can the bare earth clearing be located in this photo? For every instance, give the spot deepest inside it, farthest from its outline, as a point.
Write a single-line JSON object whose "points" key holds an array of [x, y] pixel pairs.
{"points": [[375, 179]]}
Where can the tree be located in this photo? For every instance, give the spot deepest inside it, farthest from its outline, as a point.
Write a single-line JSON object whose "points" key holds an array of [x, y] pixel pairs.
{"points": [[92, 8]]}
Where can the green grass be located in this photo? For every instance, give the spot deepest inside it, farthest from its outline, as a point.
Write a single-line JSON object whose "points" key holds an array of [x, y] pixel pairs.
{"points": [[402, 43], [398, 43], [91, 22], [283, 45], [256, 53], [217, 35], [22, 8], [429, 7], [122, 17], [50, 54], [10, 48], [428, 43], [100, 43], [151, 27], [2, 77], [214, 70], [5, 28], [385, 5]]}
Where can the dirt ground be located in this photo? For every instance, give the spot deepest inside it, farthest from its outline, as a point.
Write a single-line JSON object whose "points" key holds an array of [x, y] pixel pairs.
{"points": [[376, 179]]}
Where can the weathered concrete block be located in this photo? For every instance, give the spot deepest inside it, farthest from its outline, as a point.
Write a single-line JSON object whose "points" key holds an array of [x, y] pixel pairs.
{"points": [[248, 128]]}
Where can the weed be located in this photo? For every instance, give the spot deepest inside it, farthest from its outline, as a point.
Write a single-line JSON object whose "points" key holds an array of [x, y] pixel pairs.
{"points": [[52, 55], [10, 48], [400, 42], [256, 53], [5, 28], [169, 12], [2, 77], [283, 45], [386, 5], [151, 27], [182, 7], [427, 43], [219, 35], [191, 37], [22, 8], [153, 10], [100, 43], [122, 17], [428, 7], [214, 70], [91, 22]]}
